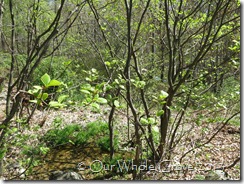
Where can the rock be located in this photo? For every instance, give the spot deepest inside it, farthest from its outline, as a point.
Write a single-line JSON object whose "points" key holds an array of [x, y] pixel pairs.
{"points": [[217, 175], [16, 170], [65, 175]]}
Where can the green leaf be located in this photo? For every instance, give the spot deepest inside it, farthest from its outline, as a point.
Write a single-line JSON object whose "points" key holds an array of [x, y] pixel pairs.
{"points": [[107, 63], [33, 101], [116, 103], [53, 83], [116, 81], [144, 121], [70, 141], [151, 121], [140, 84], [55, 104], [61, 98], [102, 100], [122, 87], [44, 150], [160, 113], [34, 92], [66, 63], [85, 91], [45, 79], [155, 129], [108, 87], [94, 70], [95, 105], [44, 96], [163, 95], [87, 87], [37, 87], [13, 130]]}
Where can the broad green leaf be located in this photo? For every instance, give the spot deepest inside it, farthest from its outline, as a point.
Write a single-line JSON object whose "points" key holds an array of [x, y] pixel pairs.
{"points": [[53, 83], [39, 101], [107, 63], [151, 121], [163, 95], [44, 96], [61, 98], [102, 100], [95, 105], [116, 103], [45, 79], [55, 104], [87, 87], [116, 81], [160, 113], [144, 121], [122, 87], [85, 91]]}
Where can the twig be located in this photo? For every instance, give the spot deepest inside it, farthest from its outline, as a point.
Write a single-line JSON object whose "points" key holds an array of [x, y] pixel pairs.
{"points": [[229, 166], [211, 138], [24, 170]]}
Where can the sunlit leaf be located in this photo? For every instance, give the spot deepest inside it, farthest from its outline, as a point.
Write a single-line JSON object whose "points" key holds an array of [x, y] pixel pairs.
{"points": [[37, 87], [160, 113], [144, 121], [151, 121], [85, 91], [33, 101], [55, 104], [95, 105], [61, 98], [116, 103], [102, 100], [45, 79], [53, 83], [44, 96]]}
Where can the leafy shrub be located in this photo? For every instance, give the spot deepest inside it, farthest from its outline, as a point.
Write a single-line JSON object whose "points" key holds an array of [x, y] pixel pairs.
{"points": [[57, 67], [37, 150]]}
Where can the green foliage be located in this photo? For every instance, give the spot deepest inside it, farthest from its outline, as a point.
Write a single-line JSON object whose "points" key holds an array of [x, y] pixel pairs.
{"points": [[29, 150], [148, 121], [78, 135], [68, 134], [92, 56], [40, 92], [199, 177], [5, 59], [90, 91], [104, 142]]}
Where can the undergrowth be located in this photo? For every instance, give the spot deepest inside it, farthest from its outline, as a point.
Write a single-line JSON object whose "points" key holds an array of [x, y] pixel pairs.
{"points": [[78, 135]]}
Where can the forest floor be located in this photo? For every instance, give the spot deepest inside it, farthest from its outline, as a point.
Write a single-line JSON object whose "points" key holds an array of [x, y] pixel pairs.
{"points": [[222, 151]]}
